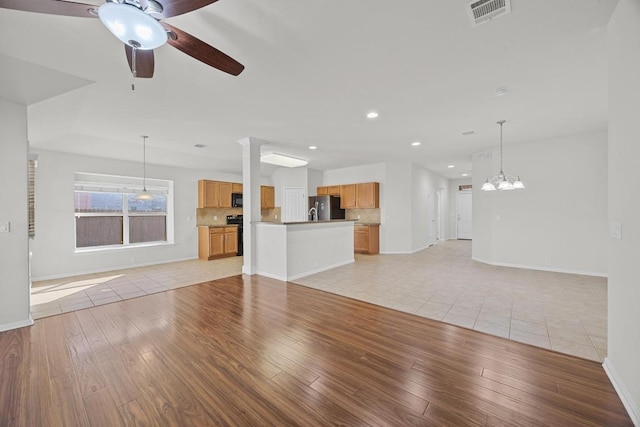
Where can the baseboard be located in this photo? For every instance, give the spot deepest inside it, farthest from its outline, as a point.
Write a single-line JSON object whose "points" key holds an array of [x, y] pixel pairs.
{"points": [[249, 270], [271, 276], [16, 325], [103, 270], [623, 393], [551, 269]]}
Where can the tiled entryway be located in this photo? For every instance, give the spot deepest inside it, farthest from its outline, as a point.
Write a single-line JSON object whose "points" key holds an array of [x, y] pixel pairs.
{"points": [[563, 312]]}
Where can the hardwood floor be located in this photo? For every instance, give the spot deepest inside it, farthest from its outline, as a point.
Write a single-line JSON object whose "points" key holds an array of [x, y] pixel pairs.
{"points": [[253, 351]]}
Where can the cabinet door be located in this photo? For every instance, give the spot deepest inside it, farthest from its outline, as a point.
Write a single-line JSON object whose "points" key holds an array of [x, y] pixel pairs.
{"points": [[216, 242], [267, 197], [208, 194], [368, 195], [231, 240], [348, 199], [236, 187], [323, 191], [225, 194], [361, 238], [334, 190]]}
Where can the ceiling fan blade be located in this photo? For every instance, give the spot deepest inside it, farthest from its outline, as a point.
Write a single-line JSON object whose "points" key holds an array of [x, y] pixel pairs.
{"points": [[52, 7], [144, 62], [178, 7], [201, 51]]}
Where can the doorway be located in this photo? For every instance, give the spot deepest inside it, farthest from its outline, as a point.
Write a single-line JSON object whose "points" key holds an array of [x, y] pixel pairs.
{"points": [[465, 217], [294, 205]]}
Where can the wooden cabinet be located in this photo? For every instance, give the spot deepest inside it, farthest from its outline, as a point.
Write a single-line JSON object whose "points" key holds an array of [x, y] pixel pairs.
{"points": [[225, 194], [236, 187], [267, 197], [366, 238], [216, 194], [208, 194], [217, 242], [368, 195], [332, 190], [348, 196]]}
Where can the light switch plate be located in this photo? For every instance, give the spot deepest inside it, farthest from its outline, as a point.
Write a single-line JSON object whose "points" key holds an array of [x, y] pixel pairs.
{"points": [[616, 230], [5, 227]]}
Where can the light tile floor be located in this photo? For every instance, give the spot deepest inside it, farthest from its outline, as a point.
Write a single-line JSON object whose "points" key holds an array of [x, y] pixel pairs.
{"points": [[563, 312], [57, 296]]}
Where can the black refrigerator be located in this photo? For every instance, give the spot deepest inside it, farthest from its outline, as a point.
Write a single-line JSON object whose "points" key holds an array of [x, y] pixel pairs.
{"points": [[328, 207]]}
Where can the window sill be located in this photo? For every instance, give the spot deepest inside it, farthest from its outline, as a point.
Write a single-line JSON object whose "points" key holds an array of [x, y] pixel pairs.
{"points": [[121, 247]]}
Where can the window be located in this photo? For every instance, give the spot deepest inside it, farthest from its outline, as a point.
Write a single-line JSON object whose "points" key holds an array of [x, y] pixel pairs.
{"points": [[107, 213]]}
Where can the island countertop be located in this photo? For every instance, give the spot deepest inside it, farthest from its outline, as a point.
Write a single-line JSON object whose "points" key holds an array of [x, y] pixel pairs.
{"points": [[324, 221]]}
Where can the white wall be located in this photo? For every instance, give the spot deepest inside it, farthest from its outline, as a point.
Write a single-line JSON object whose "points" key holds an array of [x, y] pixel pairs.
{"points": [[423, 181], [454, 185], [403, 189], [288, 177], [622, 362], [559, 222], [314, 180], [14, 245], [54, 245]]}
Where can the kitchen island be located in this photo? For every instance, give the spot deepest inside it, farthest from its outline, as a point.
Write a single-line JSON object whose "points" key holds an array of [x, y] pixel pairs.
{"points": [[288, 251]]}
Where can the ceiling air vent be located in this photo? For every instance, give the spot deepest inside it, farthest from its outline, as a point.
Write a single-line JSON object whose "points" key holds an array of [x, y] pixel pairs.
{"points": [[481, 11]]}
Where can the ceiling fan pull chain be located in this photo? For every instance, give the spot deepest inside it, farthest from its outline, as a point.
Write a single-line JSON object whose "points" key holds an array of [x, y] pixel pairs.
{"points": [[133, 61]]}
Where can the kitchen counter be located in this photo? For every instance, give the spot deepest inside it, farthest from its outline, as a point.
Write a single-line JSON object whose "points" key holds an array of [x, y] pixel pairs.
{"points": [[324, 221], [217, 225], [288, 251]]}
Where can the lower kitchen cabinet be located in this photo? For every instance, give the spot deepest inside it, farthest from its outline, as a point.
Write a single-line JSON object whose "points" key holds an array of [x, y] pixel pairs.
{"points": [[217, 242], [366, 238]]}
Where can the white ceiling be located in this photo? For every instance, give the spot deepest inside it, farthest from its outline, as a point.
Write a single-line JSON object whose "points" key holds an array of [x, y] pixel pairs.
{"points": [[313, 70]]}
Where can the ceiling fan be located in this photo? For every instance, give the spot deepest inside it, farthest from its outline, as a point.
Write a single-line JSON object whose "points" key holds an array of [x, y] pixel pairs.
{"points": [[137, 24]]}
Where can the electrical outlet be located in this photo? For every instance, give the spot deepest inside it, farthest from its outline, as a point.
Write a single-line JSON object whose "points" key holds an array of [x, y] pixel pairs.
{"points": [[358, 216], [5, 227], [215, 217]]}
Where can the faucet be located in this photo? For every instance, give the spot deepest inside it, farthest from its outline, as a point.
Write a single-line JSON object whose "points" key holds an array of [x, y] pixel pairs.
{"points": [[313, 213]]}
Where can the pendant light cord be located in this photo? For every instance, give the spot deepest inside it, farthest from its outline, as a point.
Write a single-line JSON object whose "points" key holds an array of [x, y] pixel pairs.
{"points": [[501, 122], [144, 163]]}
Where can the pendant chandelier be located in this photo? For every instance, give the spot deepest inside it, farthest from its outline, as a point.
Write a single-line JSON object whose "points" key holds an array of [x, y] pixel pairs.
{"points": [[144, 194], [502, 181]]}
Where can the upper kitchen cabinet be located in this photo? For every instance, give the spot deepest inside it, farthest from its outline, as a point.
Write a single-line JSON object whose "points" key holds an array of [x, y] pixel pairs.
{"points": [[333, 190], [208, 194], [365, 195], [267, 197], [368, 195], [236, 187], [214, 194], [348, 196]]}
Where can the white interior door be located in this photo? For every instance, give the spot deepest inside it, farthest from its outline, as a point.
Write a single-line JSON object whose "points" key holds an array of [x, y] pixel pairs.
{"points": [[464, 215], [431, 218], [294, 205]]}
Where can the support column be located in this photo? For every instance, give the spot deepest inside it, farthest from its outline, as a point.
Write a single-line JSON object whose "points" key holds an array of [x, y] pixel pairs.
{"points": [[250, 199], [14, 234]]}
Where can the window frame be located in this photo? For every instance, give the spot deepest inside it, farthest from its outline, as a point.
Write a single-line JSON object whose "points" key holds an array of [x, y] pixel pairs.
{"points": [[98, 183]]}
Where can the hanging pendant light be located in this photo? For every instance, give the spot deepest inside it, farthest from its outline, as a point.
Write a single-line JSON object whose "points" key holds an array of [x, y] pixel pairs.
{"points": [[501, 181], [144, 194]]}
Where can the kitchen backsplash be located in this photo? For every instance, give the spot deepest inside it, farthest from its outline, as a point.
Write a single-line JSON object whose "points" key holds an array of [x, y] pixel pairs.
{"points": [[271, 215], [367, 216], [205, 216]]}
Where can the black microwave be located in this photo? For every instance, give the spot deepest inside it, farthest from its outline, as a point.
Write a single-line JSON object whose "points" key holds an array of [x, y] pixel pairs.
{"points": [[236, 200]]}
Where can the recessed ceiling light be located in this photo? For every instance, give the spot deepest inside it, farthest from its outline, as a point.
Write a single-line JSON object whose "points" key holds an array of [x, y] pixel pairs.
{"points": [[372, 115], [451, 166], [415, 144], [465, 174], [199, 145], [312, 147]]}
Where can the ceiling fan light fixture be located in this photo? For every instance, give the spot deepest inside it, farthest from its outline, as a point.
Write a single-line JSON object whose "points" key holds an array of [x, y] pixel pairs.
{"points": [[132, 26]]}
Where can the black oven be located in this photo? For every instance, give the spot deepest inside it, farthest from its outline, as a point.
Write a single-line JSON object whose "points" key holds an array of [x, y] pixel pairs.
{"points": [[237, 220], [236, 200]]}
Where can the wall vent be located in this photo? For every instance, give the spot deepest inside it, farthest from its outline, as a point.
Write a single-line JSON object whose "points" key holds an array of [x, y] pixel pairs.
{"points": [[481, 11]]}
